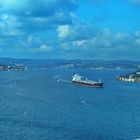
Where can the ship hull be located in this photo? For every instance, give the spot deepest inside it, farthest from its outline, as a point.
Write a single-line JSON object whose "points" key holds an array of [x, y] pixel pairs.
{"points": [[96, 85]]}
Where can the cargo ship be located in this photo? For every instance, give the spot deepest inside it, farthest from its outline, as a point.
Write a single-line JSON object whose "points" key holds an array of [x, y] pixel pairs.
{"points": [[77, 79]]}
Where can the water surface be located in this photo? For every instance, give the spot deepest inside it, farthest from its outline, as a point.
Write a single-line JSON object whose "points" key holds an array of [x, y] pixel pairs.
{"points": [[43, 104]]}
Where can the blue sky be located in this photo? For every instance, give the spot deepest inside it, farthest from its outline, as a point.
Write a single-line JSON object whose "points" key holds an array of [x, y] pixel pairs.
{"points": [[70, 29]]}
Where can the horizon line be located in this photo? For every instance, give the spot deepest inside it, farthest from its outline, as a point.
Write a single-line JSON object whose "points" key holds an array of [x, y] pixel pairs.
{"points": [[80, 59]]}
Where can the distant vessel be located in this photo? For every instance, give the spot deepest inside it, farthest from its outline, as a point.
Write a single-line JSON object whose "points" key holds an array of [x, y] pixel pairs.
{"points": [[77, 79]]}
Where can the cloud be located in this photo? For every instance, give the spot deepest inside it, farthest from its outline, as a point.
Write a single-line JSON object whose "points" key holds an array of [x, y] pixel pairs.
{"points": [[38, 8], [9, 26], [79, 42], [52, 26], [77, 31], [74, 46], [27, 24], [23, 17], [63, 31], [103, 38], [137, 38], [85, 40], [43, 49]]}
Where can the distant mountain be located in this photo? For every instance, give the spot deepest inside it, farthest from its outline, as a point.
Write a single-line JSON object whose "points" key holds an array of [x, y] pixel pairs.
{"points": [[67, 64]]}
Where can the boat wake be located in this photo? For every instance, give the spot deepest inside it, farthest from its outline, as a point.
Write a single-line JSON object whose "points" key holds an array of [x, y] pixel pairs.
{"points": [[63, 80], [59, 78]]}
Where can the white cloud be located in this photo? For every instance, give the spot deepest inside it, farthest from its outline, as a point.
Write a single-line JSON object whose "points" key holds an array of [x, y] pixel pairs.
{"points": [[104, 39], [121, 36], [137, 37], [63, 31], [75, 31], [9, 25], [79, 42], [137, 33], [43, 48], [38, 7], [137, 41], [77, 45]]}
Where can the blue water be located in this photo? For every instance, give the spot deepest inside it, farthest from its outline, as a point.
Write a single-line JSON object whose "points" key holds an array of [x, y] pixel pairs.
{"points": [[45, 105]]}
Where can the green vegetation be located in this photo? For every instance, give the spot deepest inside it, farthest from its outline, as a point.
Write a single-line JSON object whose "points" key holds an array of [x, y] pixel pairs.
{"points": [[132, 77]]}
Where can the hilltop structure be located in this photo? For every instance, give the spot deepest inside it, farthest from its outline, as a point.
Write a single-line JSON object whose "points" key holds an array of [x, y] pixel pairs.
{"points": [[132, 77]]}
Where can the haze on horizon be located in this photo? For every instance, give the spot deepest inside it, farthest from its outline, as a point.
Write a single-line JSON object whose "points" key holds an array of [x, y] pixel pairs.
{"points": [[70, 29]]}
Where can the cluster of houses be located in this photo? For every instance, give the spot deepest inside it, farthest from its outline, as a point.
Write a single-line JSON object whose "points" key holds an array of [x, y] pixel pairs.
{"points": [[133, 77], [11, 68]]}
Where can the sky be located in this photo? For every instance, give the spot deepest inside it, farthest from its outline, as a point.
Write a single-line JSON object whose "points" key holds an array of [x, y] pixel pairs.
{"points": [[70, 29]]}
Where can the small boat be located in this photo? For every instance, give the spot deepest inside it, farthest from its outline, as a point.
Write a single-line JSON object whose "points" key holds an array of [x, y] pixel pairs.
{"points": [[77, 79]]}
